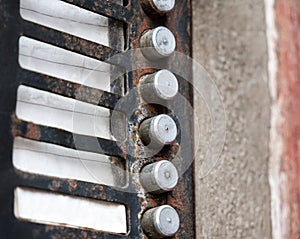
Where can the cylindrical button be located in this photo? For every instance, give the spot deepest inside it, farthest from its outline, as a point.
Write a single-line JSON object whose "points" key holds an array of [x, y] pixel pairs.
{"points": [[159, 177], [158, 131], [158, 43], [160, 222], [157, 8], [162, 85]]}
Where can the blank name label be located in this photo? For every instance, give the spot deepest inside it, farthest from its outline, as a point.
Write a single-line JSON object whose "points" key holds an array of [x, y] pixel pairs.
{"points": [[56, 161], [46, 59], [56, 111], [66, 18], [76, 212]]}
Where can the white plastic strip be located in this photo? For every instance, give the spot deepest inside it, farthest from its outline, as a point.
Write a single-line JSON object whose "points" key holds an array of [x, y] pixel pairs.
{"points": [[53, 61], [280, 226], [66, 18], [56, 111], [55, 209], [60, 162]]}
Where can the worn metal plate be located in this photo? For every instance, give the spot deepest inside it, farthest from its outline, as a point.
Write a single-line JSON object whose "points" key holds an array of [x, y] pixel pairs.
{"points": [[135, 22]]}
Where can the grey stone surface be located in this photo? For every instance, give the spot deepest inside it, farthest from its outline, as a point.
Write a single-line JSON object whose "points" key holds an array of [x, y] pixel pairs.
{"points": [[233, 201]]}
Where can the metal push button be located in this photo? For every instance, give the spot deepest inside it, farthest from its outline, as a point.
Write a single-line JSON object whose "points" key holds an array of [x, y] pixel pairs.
{"points": [[160, 222], [158, 7], [159, 177], [158, 131], [162, 85], [158, 43]]}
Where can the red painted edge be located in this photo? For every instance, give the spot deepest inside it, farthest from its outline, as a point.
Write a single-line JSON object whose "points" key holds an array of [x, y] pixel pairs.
{"points": [[288, 92]]}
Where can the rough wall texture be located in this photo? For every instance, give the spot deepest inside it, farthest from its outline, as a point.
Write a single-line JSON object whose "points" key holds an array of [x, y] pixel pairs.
{"points": [[230, 42]]}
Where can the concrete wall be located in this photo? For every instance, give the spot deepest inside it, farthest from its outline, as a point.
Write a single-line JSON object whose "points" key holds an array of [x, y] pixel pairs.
{"points": [[233, 201]]}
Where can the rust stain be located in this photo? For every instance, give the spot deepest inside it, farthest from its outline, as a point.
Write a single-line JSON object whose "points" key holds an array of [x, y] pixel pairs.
{"points": [[84, 234], [55, 185], [72, 185], [33, 132], [175, 199], [15, 123], [150, 202]]}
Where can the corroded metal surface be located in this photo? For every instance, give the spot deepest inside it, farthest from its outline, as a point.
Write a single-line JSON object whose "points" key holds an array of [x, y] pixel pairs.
{"points": [[130, 151]]}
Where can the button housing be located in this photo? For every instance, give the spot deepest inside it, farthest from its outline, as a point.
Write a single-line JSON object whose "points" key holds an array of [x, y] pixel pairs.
{"points": [[158, 131], [159, 177], [158, 43], [157, 8], [160, 222], [160, 86]]}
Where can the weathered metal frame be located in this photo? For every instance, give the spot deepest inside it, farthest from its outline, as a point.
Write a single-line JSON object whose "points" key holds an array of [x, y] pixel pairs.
{"points": [[11, 28]]}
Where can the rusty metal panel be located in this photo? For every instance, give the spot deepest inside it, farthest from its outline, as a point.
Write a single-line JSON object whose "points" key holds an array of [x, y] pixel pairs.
{"points": [[135, 22]]}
